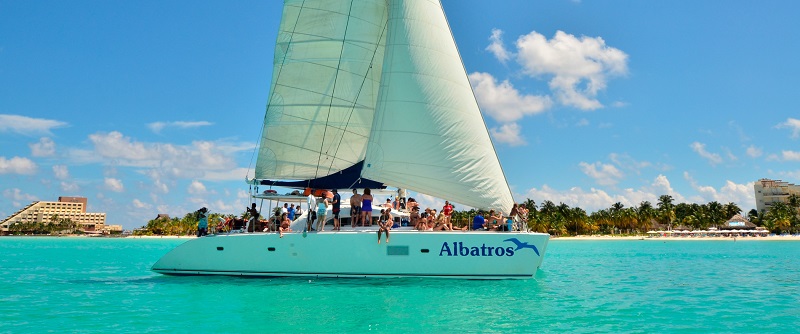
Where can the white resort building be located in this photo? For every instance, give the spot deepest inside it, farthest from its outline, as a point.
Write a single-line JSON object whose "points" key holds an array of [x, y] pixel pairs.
{"points": [[72, 208], [769, 192]]}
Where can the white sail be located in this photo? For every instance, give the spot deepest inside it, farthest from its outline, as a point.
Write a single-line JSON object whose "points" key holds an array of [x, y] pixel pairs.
{"points": [[428, 134], [324, 88]]}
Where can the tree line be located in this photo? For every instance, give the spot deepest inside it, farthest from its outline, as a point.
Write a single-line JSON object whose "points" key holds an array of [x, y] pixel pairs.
{"points": [[562, 220], [53, 226]]}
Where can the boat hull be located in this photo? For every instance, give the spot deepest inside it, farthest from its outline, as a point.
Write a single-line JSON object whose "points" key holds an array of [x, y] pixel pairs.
{"points": [[475, 255]]}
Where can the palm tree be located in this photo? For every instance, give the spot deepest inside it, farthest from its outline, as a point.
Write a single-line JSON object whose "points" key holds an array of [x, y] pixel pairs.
{"points": [[731, 209], [779, 217], [666, 210], [645, 213]]}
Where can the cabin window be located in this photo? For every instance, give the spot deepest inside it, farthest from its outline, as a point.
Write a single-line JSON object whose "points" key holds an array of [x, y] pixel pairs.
{"points": [[220, 248], [396, 250], [271, 249], [425, 250]]}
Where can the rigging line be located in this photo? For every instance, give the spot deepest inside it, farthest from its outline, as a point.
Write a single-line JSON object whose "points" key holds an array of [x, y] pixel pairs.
{"points": [[361, 87], [333, 93], [272, 90]]}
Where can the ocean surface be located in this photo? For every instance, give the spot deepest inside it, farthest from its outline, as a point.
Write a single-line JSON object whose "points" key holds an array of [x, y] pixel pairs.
{"points": [[100, 285]]}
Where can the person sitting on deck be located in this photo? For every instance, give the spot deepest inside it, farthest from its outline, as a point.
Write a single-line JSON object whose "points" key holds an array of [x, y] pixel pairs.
{"points": [[439, 222], [416, 220], [412, 203], [285, 224], [388, 203], [385, 223], [479, 223], [494, 219]]}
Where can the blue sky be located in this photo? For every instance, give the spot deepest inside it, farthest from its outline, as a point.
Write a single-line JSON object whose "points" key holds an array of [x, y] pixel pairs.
{"points": [[150, 107]]}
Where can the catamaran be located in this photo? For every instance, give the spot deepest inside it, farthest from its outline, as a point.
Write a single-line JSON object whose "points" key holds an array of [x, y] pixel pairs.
{"points": [[371, 94]]}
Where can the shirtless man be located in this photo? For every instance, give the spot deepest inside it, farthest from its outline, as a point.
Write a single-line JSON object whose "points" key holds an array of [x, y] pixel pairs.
{"points": [[355, 208]]}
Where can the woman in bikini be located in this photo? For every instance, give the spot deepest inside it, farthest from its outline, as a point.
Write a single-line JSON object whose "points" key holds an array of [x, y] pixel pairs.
{"points": [[285, 223], [366, 208]]}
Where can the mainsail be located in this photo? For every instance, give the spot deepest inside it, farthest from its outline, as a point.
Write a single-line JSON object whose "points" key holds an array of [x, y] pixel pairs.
{"points": [[378, 84], [324, 88], [428, 134]]}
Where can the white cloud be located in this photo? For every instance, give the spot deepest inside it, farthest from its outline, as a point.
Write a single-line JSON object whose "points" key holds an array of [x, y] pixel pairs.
{"points": [[61, 172], [502, 101], [597, 199], [44, 148], [236, 174], [793, 124], [790, 155], [27, 125], [754, 152], [158, 126], [700, 149], [141, 205], [509, 134], [626, 162], [16, 196], [114, 185], [582, 122], [580, 67], [496, 46], [741, 194], [200, 156], [196, 188], [69, 187], [603, 174], [730, 154], [17, 165]]}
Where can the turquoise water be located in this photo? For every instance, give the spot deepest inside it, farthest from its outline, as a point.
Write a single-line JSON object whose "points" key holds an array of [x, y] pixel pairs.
{"points": [[98, 285]]}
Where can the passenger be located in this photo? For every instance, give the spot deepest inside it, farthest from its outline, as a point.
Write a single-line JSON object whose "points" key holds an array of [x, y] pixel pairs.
{"points": [[337, 206], [388, 203], [322, 210], [385, 223], [290, 212], [366, 208], [439, 223], [355, 208], [495, 219], [479, 223], [298, 211], [285, 224], [412, 203], [312, 213], [202, 223], [254, 216], [285, 208], [415, 219], [447, 210]]}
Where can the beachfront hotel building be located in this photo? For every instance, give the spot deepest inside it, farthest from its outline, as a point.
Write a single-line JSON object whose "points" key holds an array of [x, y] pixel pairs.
{"points": [[769, 192], [73, 208]]}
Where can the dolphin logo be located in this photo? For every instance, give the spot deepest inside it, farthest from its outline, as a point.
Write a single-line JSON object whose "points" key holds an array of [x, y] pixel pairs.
{"points": [[521, 245]]}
